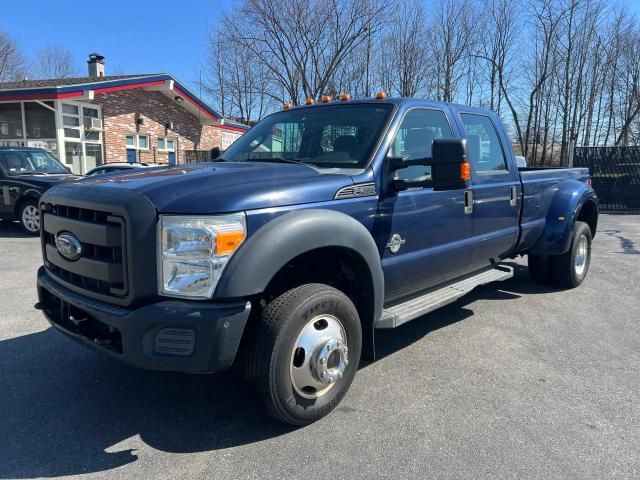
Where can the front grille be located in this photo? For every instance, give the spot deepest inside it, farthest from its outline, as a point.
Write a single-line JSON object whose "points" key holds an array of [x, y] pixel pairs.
{"points": [[101, 267]]}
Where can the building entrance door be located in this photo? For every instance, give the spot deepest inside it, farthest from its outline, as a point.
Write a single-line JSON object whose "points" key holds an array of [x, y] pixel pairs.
{"points": [[132, 155]]}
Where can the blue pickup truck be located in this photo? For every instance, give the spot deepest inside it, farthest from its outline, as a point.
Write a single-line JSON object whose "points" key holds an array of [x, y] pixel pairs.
{"points": [[321, 224]]}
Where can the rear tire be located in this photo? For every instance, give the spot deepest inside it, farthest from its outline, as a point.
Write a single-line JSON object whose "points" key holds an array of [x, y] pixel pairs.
{"points": [[29, 217], [570, 269], [539, 268], [303, 353]]}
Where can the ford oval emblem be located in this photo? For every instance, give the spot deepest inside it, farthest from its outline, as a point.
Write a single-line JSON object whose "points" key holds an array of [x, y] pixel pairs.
{"points": [[68, 246]]}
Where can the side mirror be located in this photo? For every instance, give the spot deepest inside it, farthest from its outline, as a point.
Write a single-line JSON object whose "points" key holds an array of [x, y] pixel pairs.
{"points": [[450, 169]]}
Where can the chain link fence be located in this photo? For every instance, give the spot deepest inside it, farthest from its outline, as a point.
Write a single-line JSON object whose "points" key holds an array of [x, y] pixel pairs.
{"points": [[615, 173]]}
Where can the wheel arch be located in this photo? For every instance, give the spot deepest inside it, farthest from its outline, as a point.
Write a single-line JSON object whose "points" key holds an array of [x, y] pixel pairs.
{"points": [[310, 246], [28, 195], [571, 201]]}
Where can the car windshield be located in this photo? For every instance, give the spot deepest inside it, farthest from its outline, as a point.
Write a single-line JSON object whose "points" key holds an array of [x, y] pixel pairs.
{"points": [[331, 136], [29, 162]]}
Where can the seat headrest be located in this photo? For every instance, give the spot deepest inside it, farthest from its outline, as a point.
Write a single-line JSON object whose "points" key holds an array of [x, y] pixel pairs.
{"points": [[473, 146], [417, 143], [344, 143]]}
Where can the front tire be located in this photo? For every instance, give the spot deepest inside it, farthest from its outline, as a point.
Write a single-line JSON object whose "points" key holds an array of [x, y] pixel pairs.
{"points": [[29, 217], [570, 269], [304, 353]]}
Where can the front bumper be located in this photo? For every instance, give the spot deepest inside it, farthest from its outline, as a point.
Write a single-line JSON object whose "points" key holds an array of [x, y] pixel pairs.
{"points": [[176, 335]]}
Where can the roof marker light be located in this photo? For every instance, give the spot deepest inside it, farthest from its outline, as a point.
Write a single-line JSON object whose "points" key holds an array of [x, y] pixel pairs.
{"points": [[381, 96], [308, 101], [325, 98], [345, 97], [286, 106]]}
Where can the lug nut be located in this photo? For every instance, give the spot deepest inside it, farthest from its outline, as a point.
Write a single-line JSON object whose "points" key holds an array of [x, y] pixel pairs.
{"points": [[340, 375], [323, 360]]}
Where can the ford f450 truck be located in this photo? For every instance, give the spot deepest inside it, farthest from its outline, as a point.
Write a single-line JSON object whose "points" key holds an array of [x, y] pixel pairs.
{"points": [[318, 226]]}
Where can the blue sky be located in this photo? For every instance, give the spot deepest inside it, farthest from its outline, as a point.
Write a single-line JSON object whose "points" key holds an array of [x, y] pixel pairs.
{"points": [[134, 36]]}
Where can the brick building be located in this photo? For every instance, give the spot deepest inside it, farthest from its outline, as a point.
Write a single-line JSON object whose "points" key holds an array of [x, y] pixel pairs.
{"points": [[97, 119]]}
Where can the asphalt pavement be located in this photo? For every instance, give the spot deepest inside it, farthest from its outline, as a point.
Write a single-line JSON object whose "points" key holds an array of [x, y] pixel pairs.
{"points": [[515, 380]]}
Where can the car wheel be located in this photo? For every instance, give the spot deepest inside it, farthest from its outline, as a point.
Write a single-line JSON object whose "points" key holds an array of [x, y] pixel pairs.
{"points": [[29, 217], [539, 268], [304, 353], [570, 269]]}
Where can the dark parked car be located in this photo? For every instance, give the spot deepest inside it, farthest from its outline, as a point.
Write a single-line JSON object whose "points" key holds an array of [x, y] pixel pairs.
{"points": [[114, 168], [318, 226], [25, 173]]}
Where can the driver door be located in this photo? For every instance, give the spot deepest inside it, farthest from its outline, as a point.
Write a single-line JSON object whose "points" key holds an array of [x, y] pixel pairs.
{"points": [[428, 232]]}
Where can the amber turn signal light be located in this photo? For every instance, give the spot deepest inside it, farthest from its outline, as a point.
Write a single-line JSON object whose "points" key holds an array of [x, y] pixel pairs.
{"points": [[227, 242], [465, 171]]}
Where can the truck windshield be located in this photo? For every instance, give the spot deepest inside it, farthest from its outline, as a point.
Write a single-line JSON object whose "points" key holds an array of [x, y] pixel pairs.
{"points": [[29, 162], [331, 136]]}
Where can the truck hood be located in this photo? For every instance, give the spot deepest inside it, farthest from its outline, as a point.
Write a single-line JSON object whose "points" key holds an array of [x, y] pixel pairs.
{"points": [[222, 187]]}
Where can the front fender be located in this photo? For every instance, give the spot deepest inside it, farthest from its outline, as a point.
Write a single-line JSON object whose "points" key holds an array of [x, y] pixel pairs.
{"points": [[565, 201], [281, 240]]}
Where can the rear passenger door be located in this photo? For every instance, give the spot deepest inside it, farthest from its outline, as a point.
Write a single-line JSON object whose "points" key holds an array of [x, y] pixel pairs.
{"points": [[495, 186]]}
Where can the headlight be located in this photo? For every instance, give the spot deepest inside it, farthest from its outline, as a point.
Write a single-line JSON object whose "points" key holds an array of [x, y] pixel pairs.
{"points": [[193, 251]]}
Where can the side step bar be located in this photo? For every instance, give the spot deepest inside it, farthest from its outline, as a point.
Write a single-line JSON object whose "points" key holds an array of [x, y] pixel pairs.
{"points": [[396, 315]]}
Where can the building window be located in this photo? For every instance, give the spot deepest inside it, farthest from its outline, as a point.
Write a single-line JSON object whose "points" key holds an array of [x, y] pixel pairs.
{"points": [[166, 144], [139, 142], [41, 121], [11, 121]]}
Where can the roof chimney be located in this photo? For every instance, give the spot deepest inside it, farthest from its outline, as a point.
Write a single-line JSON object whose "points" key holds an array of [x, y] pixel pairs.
{"points": [[96, 65]]}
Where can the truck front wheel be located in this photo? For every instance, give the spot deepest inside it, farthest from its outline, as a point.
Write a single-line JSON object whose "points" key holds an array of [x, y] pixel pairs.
{"points": [[304, 352]]}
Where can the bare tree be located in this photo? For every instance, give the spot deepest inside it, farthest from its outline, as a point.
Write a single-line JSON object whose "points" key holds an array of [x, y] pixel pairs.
{"points": [[453, 35], [54, 61], [12, 64]]}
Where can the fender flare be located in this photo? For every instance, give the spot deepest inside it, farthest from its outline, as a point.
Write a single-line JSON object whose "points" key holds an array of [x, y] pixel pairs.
{"points": [[565, 204], [281, 240]]}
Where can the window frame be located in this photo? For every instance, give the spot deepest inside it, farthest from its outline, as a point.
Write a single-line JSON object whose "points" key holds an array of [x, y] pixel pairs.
{"points": [[504, 171], [166, 140], [401, 121], [136, 141]]}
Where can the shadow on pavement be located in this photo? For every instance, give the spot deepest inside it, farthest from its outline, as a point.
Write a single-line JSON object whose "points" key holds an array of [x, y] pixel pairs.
{"points": [[64, 410], [9, 229]]}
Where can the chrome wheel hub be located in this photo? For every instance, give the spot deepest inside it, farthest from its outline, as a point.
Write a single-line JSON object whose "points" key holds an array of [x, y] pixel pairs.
{"points": [[319, 357], [31, 218], [582, 254]]}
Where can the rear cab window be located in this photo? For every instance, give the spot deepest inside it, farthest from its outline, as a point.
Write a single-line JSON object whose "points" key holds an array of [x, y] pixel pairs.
{"points": [[483, 144]]}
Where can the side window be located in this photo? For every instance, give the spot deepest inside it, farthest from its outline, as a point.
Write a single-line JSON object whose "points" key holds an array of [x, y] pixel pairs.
{"points": [[419, 128], [485, 150]]}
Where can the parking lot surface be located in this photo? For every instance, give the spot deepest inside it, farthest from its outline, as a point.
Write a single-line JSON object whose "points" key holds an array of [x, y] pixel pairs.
{"points": [[515, 380]]}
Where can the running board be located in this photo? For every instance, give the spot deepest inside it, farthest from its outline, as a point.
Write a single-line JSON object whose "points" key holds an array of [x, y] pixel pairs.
{"points": [[395, 316]]}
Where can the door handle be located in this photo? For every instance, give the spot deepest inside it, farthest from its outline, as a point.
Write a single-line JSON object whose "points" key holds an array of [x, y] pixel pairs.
{"points": [[513, 198], [468, 202]]}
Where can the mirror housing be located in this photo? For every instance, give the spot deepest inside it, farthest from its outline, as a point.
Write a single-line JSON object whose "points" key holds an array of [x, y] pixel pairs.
{"points": [[449, 167]]}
